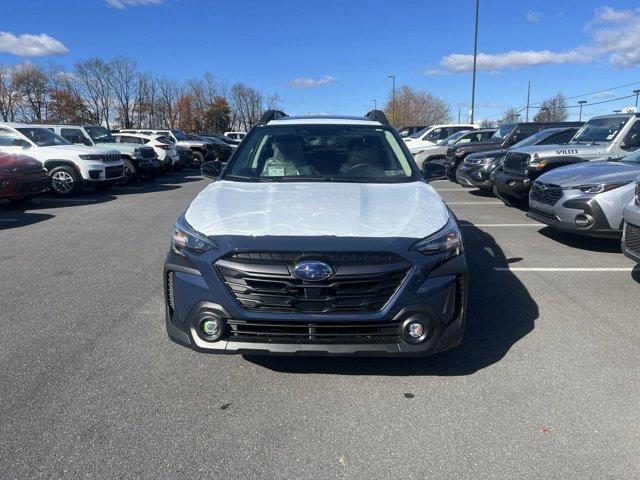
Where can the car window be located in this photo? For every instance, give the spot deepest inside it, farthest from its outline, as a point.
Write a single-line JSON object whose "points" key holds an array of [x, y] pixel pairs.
{"points": [[99, 134], [524, 131], [435, 135], [75, 135], [339, 153], [9, 138], [600, 129], [632, 139], [559, 138], [42, 136]]}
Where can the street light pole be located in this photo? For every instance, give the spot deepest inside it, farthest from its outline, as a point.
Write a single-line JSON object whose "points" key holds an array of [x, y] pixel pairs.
{"points": [[637, 92], [581, 102], [375, 104], [528, 99], [475, 58], [393, 99]]}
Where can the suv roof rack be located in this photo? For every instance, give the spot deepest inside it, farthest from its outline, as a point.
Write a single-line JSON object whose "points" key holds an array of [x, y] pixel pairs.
{"points": [[377, 116], [271, 115]]}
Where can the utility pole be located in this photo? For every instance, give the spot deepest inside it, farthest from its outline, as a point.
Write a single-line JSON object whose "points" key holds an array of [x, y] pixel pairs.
{"points": [[475, 58], [393, 99], [458, 115], [528, 99], [637, 92], [581, 102], [375, 104]]}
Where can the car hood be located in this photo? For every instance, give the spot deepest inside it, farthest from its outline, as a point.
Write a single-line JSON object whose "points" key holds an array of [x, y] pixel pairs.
{"points": [[488, 153], [565, 149], [408, 210], [8, 160], [81, 149], [592, 172]]}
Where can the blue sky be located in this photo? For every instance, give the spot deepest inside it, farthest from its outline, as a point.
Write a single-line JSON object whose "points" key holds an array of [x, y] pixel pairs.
{"points": [[342, 51]]}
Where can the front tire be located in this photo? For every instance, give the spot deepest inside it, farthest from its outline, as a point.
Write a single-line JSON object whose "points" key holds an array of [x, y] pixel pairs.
{"points": [[199, 158], [129, 172], [65, 181]]}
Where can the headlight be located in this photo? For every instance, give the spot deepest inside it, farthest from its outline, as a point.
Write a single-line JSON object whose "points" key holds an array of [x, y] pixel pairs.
{"points": [[447, 240], [92, 156], [186, 238], [596, 187], [479, 161]]}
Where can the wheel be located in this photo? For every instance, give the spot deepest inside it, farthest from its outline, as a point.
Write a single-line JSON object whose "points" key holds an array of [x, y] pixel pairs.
{"points": [[198, 158], [21, 199], [130, 174], [505, 199], [64, 181]]}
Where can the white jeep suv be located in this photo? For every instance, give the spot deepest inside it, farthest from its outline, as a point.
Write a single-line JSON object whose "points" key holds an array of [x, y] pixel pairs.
{"points": [[434, 134], [69, 166]]}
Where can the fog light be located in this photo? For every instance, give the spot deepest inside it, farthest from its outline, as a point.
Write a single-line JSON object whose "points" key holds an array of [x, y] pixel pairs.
{"points": [[211, 329], [584, 220], [415, 330]]}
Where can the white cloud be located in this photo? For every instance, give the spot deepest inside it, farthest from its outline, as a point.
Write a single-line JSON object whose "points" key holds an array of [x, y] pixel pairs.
{"points": [[532, 16], [436, 72], [307, 82], [615, 34], [123, 4], [29, 45]]}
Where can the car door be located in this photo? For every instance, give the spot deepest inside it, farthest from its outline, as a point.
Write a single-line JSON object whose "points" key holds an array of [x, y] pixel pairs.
{"points": [[75, 136]]}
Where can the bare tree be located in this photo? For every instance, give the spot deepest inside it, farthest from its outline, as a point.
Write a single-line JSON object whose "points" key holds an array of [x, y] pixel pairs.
{"points": [[169, 93], [487, 123], [91, 76], [416, 107], [32, 84], [248, 105], [122, 79], [511, 115], [553, 109], [9, 96]]}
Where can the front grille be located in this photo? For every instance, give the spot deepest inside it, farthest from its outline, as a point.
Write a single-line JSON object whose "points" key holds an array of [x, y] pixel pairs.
{"points": [[112, 157], [113, 172], [451, 151], [307, 332], [638, 193], [632, 239], [516, 162], [147, 152], [540, 213], [361, 282], [546, 193]]}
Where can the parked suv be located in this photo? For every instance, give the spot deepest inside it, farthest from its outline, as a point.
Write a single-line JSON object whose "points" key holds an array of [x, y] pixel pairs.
{"points": [[587, 198], [476, 169], [631, 235], [411, 129], [21, 177], [438, 152], [604, 137], [505, 137], [69, 166], [320, 236], [436, 133], [163, 148], [139, 160], [201, 149]]}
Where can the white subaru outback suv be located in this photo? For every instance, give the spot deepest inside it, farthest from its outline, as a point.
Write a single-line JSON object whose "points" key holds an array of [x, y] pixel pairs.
{"points": [[70, 166], [320, 236]]}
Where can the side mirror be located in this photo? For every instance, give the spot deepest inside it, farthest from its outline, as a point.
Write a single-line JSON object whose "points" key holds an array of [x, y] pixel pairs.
{"points": [[434, 171], [211, 169], [18, 142]]}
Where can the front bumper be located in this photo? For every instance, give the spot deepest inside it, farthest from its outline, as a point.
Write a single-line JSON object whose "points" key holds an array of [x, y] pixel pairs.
{"points": [[437, 296], [475, 175], [631, 233], [23, 184], [563, 214], [511, 184]]}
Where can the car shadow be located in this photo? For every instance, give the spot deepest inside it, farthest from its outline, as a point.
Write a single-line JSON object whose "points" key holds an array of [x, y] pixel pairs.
{"points": [[16, 218], [591, 244], [480, 193], [500, 312]]}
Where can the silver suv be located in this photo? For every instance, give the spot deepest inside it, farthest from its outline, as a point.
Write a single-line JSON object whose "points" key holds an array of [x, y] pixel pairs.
{"points": [[631, 236]]}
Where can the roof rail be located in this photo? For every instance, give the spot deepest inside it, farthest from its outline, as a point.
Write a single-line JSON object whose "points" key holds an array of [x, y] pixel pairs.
{"points": [[271, 115], [377, 116]]}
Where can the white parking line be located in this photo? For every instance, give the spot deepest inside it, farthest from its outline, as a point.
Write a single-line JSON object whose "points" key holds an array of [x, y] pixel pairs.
{"points": [[570, 269], [474, 203], [489, 225]]}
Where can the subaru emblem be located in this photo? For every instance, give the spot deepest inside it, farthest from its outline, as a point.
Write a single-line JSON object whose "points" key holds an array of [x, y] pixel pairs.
{"points": [[312, 270]]}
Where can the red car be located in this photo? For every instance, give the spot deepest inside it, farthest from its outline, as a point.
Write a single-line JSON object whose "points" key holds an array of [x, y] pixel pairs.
{"points": [[21, 177]]}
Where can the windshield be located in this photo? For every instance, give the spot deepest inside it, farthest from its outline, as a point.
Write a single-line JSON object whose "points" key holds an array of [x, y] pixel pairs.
{"points": [[100, 135], [42, 136], [633, 158], [180, 136], [330, 153], [600, 129], [451, 139], [533, 139], [419, 133], [502, 133]]}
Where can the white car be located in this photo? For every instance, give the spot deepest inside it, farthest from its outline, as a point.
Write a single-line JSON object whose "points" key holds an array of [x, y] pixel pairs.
{"points": [[435, 133], [235, 136], [69, 166], [164, 148]]}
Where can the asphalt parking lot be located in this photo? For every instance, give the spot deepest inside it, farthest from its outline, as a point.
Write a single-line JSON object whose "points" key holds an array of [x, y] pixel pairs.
{"points": [[545, 384]]}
